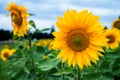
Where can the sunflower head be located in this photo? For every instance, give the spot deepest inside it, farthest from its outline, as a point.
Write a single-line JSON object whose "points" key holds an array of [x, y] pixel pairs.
{"points": [[116, 24], [113, 37], [79, 37], [19, 19], [5, 53]]}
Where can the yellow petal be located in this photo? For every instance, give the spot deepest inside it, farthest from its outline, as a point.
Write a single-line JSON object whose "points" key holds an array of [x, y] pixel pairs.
{"points": [[60, 54], [99, 54], [95, 41], [93, 60], [79, 61], [65, 55], [92, 53], [74, 60], [12, 51], [86, 58], [96, 48], [70, 57]]}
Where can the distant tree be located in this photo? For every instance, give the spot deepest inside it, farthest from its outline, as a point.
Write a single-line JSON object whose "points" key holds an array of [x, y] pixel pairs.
{"points": [[5, 35], [42, 36]]}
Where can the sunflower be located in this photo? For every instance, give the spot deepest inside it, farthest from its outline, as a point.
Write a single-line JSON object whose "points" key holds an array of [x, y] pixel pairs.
{"points": [[113, 37], [116, 24], [5, 53], [19, 19], [79, 37]]}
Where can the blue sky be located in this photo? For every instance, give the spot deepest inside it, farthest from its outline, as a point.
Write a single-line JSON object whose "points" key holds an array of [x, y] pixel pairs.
{"points": [[47, 11]]}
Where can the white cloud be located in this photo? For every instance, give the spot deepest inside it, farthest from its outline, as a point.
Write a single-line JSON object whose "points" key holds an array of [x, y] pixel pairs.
{"points": [[42, 23], [47, 10], [5, 22], [62, 6]]}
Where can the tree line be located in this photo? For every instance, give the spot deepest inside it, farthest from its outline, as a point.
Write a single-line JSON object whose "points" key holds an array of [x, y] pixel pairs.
{"points": [[7, 35]]}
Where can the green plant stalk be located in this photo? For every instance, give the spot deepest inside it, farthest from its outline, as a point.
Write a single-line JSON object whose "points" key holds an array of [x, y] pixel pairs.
{"points": [[78, 73], [32, 59], [30, 50], [63, 74], [29, 38]]}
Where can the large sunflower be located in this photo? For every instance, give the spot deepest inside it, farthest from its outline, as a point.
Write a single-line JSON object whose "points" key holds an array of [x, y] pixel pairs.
{"points": [[79, 37], [113, 37], [5, 53], [116, 24], [19, 19]]}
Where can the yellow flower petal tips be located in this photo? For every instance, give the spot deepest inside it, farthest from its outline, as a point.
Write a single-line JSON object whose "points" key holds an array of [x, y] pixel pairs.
{"points": [[79, 37]]}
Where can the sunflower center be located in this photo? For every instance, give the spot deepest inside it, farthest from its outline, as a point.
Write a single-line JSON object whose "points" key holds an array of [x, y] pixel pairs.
{"points": [[77, 40], [117, 24], [111, 39], [6, 55], [16, 17]]}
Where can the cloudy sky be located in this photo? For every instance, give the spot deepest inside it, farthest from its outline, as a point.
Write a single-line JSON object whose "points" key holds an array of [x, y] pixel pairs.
{"points": [[46, 11]]}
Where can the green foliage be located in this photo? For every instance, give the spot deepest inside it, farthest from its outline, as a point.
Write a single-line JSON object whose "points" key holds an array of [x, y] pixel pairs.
{"points": [[31, 62], [107, 68], [32, 23], [65, 70]]}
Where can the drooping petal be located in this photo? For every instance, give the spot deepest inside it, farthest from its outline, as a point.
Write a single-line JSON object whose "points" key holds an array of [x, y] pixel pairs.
{"points": [[92, 53], [79, 60], [74, 60], [70, 58], [86, 58]]}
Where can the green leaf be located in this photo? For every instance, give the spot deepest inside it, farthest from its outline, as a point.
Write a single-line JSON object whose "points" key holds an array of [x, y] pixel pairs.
{"points": [[116, 67], [45, 29], [40, 49], [63, 71], [105, 67], [91, 76], [39, 31], [26, 70], [53, 53], [106, 76], [49, 64], [31, 14], [31, 22]]}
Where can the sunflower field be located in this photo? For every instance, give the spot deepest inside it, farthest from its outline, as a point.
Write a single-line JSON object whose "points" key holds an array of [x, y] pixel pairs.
{"points": [[82, 48]]}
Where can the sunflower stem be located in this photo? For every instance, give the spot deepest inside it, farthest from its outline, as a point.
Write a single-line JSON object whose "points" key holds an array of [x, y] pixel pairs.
{"points": [[29, 38], [32, 59], [78, 73], [63, 74]]}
